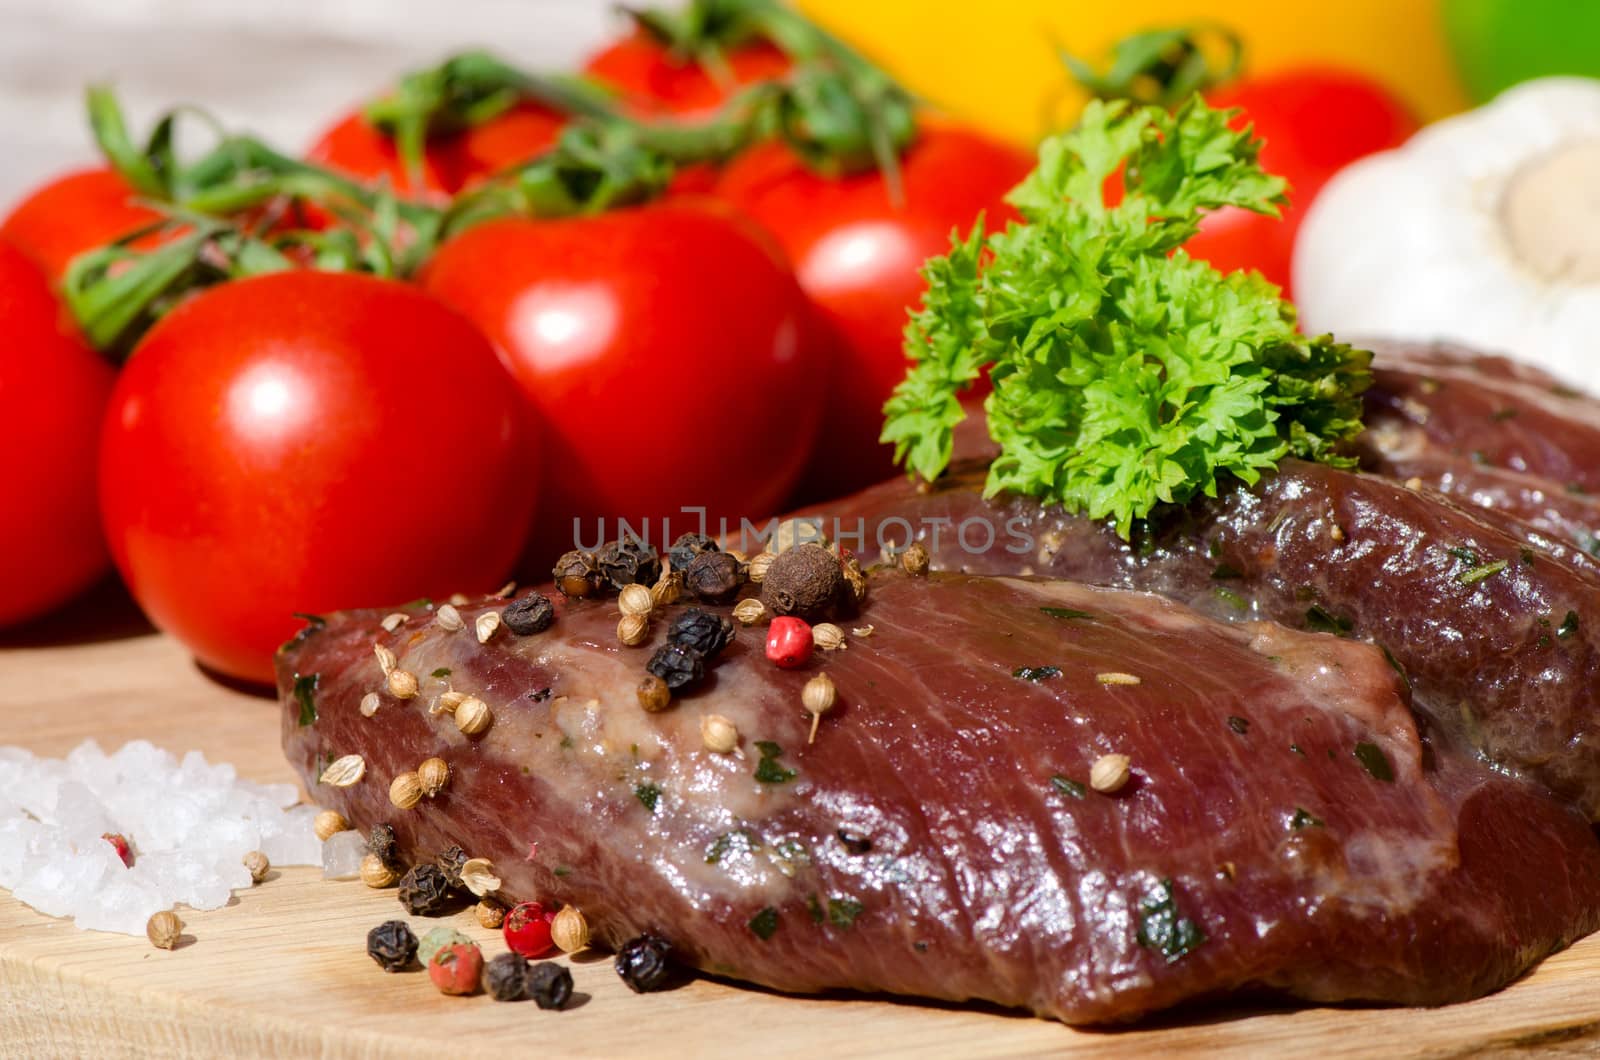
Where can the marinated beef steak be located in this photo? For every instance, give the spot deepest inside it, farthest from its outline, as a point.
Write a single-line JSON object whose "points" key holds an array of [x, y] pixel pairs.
{"points": [[1544, 513], [1490, 410], [1283, 828], [1500, 639], [1492, 434]]}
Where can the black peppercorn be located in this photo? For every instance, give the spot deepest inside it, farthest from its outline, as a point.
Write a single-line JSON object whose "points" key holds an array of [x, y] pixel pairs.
{"points": [[677, 665], [575, 574], [687, 547], [392, 945], [549, 984], [529, 615], [644, 963], [505, 978], [450, 862], [805, 582], [628, 561], [381, 842], [714, 576], [706, 633], [425, 891]]}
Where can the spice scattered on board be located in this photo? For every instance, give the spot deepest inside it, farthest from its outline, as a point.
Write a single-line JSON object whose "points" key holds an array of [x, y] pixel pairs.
{"points": [[164, 929]]}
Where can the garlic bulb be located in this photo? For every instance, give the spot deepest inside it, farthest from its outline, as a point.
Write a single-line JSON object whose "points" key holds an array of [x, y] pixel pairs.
{"points": [[1483, 229]]}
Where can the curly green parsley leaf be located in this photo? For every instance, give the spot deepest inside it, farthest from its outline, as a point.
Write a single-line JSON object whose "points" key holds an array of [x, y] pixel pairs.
{"points": [[1126, 374]]}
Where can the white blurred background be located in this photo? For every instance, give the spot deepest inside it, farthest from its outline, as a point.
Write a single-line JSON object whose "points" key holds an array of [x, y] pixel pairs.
{"points": [[281, 68]]}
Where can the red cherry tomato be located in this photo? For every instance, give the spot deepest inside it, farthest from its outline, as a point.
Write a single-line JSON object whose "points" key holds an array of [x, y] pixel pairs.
{"points": [[451, 163], [527, 929], [667, 351], [53, 392], [1314, 122], [302, 442], [859, 256], [654, 80], [72, 214]]}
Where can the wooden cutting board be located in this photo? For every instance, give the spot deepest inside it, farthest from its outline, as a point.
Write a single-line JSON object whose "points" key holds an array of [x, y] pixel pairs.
{"points": [[282, 971]]}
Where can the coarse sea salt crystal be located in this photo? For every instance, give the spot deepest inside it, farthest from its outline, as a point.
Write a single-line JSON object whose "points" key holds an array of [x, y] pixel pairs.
{"points": [[190, 824], [342, 854]]}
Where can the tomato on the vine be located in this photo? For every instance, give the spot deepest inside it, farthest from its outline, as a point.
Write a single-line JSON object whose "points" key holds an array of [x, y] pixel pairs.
{"points": [[1313, 121], [859, 254], [656, 80], [53, 391], [307, 441], [74, 213], [452, 162], [667, 350]]}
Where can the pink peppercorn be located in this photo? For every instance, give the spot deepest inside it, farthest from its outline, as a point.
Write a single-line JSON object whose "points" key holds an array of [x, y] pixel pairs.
{"points": [[455, 969], [119, 843], [789, 642], [527, 929]]}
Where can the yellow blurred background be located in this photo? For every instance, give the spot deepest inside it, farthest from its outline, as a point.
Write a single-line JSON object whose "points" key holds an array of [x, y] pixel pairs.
{"points": [[995, 61]]}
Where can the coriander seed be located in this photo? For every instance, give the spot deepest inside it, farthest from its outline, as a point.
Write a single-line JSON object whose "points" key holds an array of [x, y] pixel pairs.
{"points": [[434, 776], [370, 704], [794, 532], [377, 873], [329, 823], [635, 600], [915, 558], [473, 716], [490, 913], [654, 695], [818, 697], [344, 772], [750, 611], [164, 929], [477, 876], [448, 702], [1109, 773], [828, 636], [403, 684], [257, 865], [393, 622], [569, 930], [405, 791], [854, 580], [633, 630], [668, 589], [386, 659], [757, 571], [486, 625], [718, 734], [449, 618]]}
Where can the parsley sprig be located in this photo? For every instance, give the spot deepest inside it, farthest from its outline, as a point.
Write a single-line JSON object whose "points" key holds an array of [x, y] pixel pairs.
{"points": [[1126, 374]]}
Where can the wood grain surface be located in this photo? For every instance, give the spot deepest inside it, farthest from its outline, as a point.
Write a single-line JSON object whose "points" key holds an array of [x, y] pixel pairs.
{"points": [[282, 970]]}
